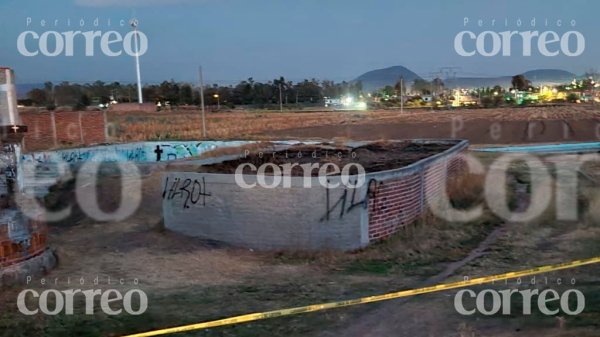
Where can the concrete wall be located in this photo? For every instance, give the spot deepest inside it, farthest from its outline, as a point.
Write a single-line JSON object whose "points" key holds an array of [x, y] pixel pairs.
{"points": [[40, 172], [213, 206], [134, 152], [546, 148]]}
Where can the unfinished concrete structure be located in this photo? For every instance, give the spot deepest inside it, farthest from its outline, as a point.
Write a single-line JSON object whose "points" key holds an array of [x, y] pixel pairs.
{"points": [[23, 249], [215, 207]]}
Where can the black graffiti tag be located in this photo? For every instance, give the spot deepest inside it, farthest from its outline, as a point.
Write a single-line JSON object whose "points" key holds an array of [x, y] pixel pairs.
{"points": [[348, 203], [158, 152], [191, 191]]}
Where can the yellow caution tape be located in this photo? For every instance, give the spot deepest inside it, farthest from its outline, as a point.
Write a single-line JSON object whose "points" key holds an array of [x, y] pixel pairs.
{"points": [[368, 299]]}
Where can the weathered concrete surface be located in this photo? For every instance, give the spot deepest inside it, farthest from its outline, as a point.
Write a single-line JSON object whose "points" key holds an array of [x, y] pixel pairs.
{"points": [[217, 208], [40, 170], [134, 152], [8, 98]]}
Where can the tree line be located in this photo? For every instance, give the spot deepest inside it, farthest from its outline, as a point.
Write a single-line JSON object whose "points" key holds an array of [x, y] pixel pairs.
{"points": [[246, 92]]}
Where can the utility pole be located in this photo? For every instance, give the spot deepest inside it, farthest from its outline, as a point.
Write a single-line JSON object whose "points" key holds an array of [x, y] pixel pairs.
{"points": [[433, 76], [401, 94], [202, 101], [592, 85], [432, 99], [280, 99], [448, 74], [134, 24]]}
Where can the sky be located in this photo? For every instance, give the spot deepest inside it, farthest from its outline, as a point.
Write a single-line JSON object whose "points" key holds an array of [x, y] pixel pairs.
{"points": [[265, 39]]}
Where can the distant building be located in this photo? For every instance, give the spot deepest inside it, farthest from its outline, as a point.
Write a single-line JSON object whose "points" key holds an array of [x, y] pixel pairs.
{"points": [[332, 102]]}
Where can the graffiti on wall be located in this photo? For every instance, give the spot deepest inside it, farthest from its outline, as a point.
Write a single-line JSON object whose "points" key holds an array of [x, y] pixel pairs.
{"points": [[191, 191], [349, 200], [134, 152], [41, 172], [173, 151]]}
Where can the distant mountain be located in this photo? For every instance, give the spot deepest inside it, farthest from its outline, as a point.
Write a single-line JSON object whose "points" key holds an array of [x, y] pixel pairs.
{"points": [[23, 89], [543, 76], [376, 79], [537, 77]]}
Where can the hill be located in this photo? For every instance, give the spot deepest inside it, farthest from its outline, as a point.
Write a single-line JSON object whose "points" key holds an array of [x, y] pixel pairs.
{"points": [[379, 78]]}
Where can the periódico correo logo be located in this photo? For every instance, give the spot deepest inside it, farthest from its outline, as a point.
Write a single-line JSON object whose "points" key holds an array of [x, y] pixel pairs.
{"points": [[547, 42], [79, 42], [53, 302]]}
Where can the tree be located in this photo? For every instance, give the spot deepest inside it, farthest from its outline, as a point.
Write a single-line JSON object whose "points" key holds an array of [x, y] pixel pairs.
{"points": [[187, 94], [356, 88], [421, 86], [246, 92], [280, 85], [67, 94], [38, 97], [387, 91], [84, 100], [519, 82], [330, 89], [308, 91], [437, 84], [400, 87]]}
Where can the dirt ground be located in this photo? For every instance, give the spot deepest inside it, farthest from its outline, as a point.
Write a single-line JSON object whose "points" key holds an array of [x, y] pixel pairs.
{"points": [[570, 122], [191, 280]]}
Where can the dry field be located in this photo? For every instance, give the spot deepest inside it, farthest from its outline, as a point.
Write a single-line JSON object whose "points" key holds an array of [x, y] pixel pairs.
{"points": [[190, 280], [414, 123]]}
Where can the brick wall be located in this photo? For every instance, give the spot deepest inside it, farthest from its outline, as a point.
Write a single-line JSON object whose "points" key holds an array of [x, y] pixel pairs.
{"points": [[20, 238], [48, 130], [395, 202]]}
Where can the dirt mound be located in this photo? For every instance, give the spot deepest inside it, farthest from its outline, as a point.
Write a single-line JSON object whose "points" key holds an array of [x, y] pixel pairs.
{"points": [[374, 157]]}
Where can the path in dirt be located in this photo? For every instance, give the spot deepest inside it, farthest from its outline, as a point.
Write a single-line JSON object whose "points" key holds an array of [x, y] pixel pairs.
{"points": [[401, 317]]}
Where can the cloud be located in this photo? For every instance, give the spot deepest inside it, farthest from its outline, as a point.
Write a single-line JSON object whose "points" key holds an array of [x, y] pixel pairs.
{"points": [[133, 3]]}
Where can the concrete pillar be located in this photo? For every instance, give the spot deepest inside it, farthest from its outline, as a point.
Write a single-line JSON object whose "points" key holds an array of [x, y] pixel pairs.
{"points": [[81, 129], [53, 123], [8, 98], [105, 115]]}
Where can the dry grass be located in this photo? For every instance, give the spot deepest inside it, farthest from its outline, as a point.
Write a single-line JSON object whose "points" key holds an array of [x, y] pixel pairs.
{"points": [[190, 281], [466, 190], [420, 247], [137, 126], [231, 125]]}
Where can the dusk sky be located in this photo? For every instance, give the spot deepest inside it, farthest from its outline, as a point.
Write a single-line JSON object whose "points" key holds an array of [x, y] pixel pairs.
{"points": [[264, 39]]}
